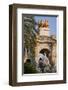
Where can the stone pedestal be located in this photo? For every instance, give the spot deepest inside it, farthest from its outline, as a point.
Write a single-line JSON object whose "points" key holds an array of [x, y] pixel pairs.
{"points": [[44, 31]]}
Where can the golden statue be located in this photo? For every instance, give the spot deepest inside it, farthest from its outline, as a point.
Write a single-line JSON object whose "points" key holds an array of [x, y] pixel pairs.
{"points": [[43, 24]]}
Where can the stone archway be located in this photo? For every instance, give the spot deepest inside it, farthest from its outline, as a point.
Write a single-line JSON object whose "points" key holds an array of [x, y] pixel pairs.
{"points": [[42, 48], [45, 50], [48, 53]]}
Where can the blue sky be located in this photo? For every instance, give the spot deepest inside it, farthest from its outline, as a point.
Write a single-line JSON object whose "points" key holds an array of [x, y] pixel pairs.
{"points": [[51, 20]]}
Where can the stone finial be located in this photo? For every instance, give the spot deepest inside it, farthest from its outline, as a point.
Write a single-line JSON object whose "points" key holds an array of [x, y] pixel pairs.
{"points": [[43, 24]]}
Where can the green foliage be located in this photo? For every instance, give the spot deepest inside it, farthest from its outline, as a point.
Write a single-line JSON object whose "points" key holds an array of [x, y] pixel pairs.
{"points": [[29, 36], [29, 68]]}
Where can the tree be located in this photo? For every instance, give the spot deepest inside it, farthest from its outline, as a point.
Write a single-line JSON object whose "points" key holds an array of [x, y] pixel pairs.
{"points": [[29, 68], [30, 36]]}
